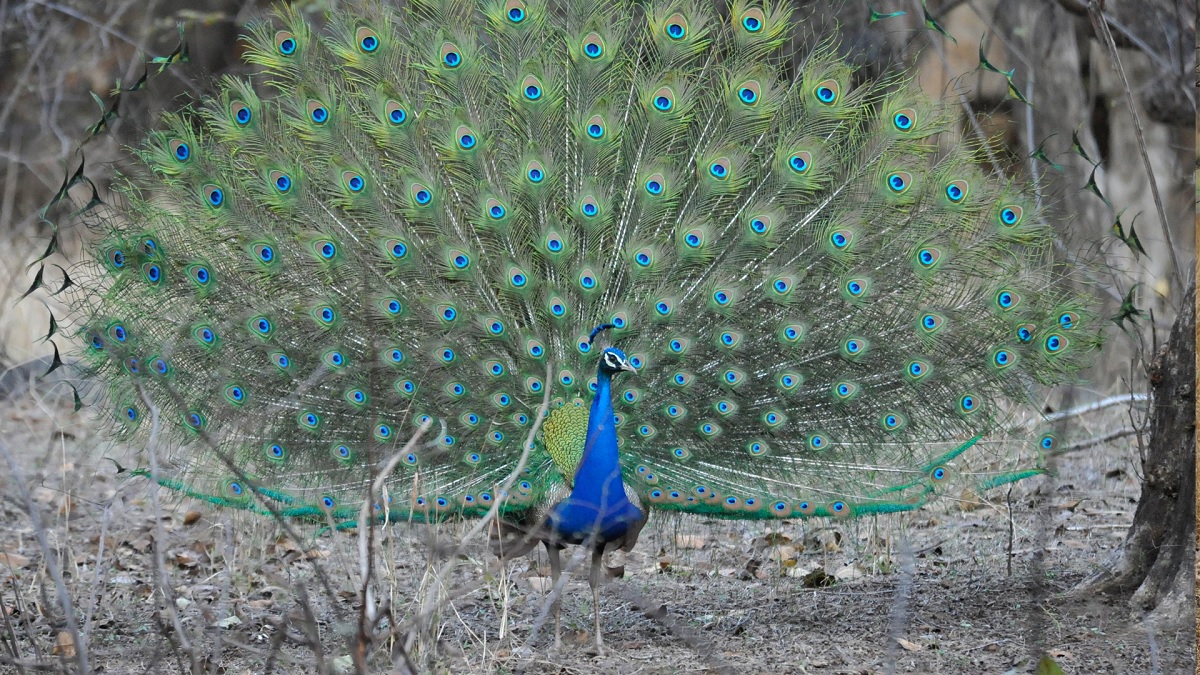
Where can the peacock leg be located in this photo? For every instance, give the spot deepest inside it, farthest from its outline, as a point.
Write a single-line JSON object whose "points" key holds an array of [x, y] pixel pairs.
{"points": [[555, 573], [594, 579]]}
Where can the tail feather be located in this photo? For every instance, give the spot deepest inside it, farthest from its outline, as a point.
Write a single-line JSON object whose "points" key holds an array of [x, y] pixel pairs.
{"points": [[830, 308]]}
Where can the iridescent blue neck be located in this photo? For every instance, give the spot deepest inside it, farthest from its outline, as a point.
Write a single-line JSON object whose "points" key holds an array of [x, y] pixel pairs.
{"points": [[598, 478], [597, 506]]}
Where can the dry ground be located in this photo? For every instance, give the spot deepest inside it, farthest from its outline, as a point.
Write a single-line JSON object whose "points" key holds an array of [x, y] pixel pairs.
{"points": [[925, 593]]}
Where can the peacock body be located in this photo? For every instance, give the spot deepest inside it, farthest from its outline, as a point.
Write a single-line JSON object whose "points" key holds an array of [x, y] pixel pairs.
{"points": [[749, 285]]}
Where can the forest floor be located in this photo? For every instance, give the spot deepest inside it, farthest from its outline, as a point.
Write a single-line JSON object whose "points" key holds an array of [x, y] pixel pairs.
{"points": [[929, 592]]}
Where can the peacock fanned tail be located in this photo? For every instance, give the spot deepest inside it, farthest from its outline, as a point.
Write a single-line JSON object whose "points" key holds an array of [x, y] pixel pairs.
{"points": [[409, 215]]}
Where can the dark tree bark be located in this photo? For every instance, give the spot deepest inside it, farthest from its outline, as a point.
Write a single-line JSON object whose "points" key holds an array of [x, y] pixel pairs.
{"points": [[1156, 564]]}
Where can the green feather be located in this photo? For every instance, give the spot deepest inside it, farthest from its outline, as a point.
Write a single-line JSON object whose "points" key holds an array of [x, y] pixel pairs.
{"points": [[831, 311]]}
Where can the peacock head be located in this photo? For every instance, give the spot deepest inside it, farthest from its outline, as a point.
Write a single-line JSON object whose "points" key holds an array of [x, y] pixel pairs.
{"points": [[613, 361]]}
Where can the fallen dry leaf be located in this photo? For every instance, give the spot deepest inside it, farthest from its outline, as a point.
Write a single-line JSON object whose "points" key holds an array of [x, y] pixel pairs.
{"points": [[14, 559], [228, 622], [848, 572], [541, 584], [64, 645], [909, 646]]}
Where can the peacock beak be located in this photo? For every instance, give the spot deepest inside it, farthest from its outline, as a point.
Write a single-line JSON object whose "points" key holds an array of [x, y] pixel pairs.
{"points": [[628, 368]]}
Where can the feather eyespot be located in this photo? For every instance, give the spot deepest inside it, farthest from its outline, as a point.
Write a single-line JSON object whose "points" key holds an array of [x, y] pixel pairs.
{"points": [[917, 370], [928, 257], [892, 421], [367, 39], [856, 288], [827, 92], [760, 224], [792, 333], [421, 194], [676, 27], [180, 150], [655, 184], [663, 100], [899, 181], [495, 209], [1002, 359], [199, 274], [587, 280], [152, 273], [395, 113], [1055, 343], [118, 332], [318, 113], [264, 253], [1011, 215], [956, 191], [466, 138], [514, 11], [968, 403], [261, 326], [285, 42], [535, 172], [280, 181], [904, 119], [593, 46], [451, 57], [782, 285], [800, 162], [195, 420], [325, 249], [531, 88], [719, 168], [213, 196], [749, 92], [353, 181], [930, 323], [595, 127], [753, 20], [241, 113], [1006, 299]]}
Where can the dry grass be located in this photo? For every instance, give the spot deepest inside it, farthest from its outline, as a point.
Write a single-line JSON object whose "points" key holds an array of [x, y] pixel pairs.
{"points": [[185, 588]]}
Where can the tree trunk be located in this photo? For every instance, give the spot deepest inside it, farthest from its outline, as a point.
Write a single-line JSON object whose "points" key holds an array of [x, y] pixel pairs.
{"points": [[1157, 560]]}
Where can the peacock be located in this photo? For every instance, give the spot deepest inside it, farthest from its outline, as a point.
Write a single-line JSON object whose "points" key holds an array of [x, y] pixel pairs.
{"points": [[617, 257]]}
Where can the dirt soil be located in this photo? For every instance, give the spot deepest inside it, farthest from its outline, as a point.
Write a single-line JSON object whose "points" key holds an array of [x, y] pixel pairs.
{"points": [[920, 593]]}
